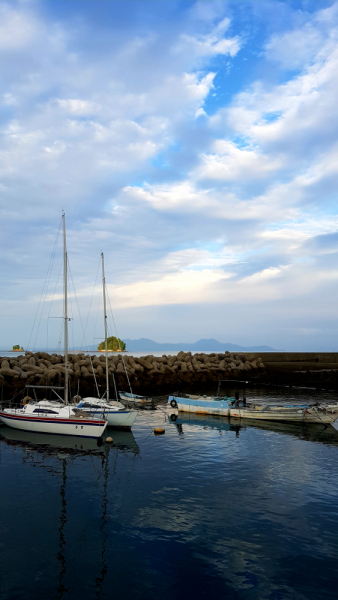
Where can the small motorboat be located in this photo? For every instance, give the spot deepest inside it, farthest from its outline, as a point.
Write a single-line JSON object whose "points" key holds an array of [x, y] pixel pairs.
{"points": [[135, 398], [295, 413], [207, 405]]}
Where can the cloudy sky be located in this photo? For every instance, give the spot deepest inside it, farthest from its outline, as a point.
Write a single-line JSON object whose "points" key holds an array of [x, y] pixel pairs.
{"points": [[195, 143]]}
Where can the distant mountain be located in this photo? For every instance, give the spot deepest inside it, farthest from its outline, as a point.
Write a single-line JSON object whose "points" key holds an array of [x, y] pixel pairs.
{"points": [[146, 345], [211, 345]]}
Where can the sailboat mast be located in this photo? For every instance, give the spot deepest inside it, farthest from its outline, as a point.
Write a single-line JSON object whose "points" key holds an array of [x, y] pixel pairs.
{"points": [[105, 325], [65, 306]]}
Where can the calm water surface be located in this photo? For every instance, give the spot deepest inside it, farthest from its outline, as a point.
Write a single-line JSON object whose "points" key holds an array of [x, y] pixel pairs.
{"points": [[208, 510]]}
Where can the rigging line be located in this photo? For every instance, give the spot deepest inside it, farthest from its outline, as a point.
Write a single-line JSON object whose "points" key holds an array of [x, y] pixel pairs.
{"points": [[91, 301], [71, 318], [97, 316], [58, 344], [51, 304], [84, 334], [47, 284], [49, 269], [117, 398], [129, 384]]}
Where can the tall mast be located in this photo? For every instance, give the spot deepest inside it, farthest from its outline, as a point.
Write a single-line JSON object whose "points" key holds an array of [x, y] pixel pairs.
{"points": [[105, 326], [65, 306]]}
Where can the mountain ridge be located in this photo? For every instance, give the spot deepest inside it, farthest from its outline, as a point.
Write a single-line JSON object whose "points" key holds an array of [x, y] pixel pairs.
{"points": [[203, 345]]}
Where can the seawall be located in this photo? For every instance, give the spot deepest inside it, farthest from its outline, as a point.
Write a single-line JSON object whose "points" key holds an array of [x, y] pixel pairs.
{"points": [[158, 375]]}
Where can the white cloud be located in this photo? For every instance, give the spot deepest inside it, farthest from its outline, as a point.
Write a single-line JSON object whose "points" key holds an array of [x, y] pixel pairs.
{"points": [[230, 213], [78, 107], [211, 44], [230, 163], [17, 29], [183, 287]]}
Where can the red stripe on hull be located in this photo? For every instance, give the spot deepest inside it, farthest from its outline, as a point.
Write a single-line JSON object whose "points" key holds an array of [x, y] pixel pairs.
{"points": [[53, 420]]}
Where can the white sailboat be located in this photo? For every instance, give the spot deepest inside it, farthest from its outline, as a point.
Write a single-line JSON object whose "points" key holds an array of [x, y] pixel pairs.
{"points": [[116, 414], [46, 416]]}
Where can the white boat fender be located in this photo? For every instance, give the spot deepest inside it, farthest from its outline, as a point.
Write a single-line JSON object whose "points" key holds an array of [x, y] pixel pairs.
{"points": [[173, 403]]}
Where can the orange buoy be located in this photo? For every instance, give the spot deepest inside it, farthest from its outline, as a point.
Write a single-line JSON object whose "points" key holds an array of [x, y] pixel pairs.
{"points": [[158, 430], [109, 439]]}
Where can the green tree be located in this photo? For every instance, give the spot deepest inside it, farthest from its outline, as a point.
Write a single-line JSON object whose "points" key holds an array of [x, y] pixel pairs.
{"points": [[17, 347], [113, 343]]}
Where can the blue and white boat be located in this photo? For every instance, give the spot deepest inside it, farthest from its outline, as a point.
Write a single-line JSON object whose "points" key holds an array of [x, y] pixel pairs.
{"points": [[206, 405], [135, 398], [228, 407]]}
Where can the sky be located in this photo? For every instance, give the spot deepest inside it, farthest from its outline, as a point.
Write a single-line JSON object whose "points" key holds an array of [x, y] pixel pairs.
{"points": [[195, 144]]}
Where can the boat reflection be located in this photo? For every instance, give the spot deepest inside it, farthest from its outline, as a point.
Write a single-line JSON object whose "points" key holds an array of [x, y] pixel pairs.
{"points": [[310, 432], [123, 440], [50, 442], [206, 421]]}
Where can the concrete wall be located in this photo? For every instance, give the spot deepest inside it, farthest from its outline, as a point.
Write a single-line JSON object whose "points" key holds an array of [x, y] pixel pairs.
{"points": [[297, 361]]}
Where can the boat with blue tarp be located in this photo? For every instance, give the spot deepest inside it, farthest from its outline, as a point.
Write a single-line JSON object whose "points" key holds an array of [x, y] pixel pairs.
{"points": [[207, 405]]}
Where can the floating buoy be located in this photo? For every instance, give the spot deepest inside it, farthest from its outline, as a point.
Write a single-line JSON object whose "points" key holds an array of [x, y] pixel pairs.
{"points": [[158, 430], [109, 439]]}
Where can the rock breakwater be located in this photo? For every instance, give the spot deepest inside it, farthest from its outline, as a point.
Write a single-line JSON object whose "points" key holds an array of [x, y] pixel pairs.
{"points": [[148, 374]]}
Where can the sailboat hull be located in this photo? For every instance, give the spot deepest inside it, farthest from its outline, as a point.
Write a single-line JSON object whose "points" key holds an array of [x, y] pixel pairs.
{"points": [[122, 419], [75, 427]]}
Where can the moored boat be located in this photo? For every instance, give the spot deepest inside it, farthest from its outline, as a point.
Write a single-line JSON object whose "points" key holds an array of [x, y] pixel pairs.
{"points": [[325, 413], [53, 417], [48, 440], [116, 414], [207, 405], [295, 413], [46, 416], [135, 398]]}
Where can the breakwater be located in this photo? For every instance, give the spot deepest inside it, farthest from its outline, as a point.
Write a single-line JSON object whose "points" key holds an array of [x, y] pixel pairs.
{"points": [[147, 374], [158, 375]]}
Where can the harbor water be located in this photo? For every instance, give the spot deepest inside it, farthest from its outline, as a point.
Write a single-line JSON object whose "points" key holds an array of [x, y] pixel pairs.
{"points": [[210, 509]]}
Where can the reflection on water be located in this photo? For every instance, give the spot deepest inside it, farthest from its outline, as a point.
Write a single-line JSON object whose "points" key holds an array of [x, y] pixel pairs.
{"points": [[211, 509], [315, 432]]}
